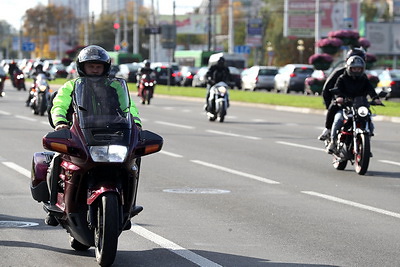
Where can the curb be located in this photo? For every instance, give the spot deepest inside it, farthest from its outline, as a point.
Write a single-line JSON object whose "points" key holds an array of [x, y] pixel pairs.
{"points": [[282, 108]]}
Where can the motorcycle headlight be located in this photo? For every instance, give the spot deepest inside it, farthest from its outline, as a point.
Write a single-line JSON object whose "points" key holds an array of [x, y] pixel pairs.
{"points": [[362, 111], [222, 90], [42, 88], [146, 84], [111, 153]]}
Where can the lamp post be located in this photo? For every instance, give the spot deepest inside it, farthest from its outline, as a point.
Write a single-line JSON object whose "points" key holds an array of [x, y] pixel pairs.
{"points": [[300, 48]]}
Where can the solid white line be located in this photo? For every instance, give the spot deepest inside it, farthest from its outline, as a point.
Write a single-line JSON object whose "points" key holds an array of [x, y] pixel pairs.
{"points": [[17, 168], [165, 243], [247, 175], [170, 154], [175, 125], [234, 135], [298, 145], [390, 162], [354, 204]]}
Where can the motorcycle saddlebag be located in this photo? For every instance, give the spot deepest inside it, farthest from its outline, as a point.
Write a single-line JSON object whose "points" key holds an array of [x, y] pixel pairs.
{"points": [[40, 164]]}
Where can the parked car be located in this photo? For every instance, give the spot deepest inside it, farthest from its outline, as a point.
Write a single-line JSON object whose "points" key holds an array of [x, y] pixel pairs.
{"points": [[164, 75], [236, 81], [71, 70], [389, 83], [291, 77], [162, 69], [199, 80], [128, 71], [259, 77], [57, 71], [313, 85], [186, 74]]}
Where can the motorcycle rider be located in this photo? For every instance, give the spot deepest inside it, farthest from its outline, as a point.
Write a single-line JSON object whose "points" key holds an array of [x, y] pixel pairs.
{"points": [[215, 74], [330, 104], [3, 76], [146, 70], [12, 67], [38, 69], [92, 61], [352, 83]]}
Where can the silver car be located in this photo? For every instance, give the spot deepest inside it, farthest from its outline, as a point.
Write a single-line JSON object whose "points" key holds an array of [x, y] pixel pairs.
{"points": [[291, 77], [259, 77]]}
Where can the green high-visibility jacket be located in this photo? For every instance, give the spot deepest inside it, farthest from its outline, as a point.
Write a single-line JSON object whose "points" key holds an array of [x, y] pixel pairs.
{"points": [[62, 105]]}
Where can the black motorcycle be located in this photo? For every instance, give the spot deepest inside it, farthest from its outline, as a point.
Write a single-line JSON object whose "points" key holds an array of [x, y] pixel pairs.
{"points": [[354, 137]]}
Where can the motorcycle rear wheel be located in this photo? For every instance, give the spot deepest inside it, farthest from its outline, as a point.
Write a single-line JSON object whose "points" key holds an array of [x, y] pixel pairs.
{"points": [[106, 231], [361, 160]]}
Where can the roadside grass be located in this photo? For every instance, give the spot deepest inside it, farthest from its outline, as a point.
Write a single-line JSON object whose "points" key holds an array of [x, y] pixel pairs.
{"points": [[391, 108]]}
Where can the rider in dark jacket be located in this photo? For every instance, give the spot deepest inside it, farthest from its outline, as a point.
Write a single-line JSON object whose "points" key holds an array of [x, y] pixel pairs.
{"points": [[215, 74], [352, 83], [328, 97]]}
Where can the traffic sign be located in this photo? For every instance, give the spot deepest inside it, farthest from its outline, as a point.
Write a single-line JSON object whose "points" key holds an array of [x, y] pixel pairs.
{"points": [[242, 49], [28, 46]]}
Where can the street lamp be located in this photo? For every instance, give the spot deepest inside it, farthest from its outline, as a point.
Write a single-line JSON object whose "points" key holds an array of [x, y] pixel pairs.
{"points": [[300, 48]]}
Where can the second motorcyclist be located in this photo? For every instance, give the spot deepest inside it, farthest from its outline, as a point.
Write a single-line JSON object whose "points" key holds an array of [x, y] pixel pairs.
{"points": [[92, 61], [216, 73], [352, 83]]}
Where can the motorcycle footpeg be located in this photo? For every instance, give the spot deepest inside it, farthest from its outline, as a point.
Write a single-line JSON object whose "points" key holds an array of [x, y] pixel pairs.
{"points": [[53, 210], [136, 210]]}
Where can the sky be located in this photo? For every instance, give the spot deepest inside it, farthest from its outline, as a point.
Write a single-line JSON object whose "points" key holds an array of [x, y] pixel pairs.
{"points": [[12, 11]]}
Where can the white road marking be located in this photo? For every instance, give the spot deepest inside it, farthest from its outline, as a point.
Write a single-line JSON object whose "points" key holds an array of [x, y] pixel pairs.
{"points": [[17, 168], [390, 162], [4, 112], [354, 204], [298, 145], [247, 175], [170, 154], [171, 246], [234, 135], [175, 125]]}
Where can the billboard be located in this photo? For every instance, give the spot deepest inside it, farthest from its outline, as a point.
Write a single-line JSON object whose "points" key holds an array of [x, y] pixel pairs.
{"points": [[384, 38], [192, 24], [299, 20]]}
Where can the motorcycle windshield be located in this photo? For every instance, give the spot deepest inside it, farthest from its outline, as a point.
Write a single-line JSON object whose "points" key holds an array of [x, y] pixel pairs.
{"points": [[359, 101], [102, 106]]}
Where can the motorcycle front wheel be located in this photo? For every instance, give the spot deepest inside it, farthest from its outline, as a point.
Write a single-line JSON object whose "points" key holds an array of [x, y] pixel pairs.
{"points": [[361, 159], [106, 231]]}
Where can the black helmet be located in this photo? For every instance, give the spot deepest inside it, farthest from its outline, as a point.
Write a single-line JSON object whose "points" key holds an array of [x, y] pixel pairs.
{"points": [[147, 63], [93, 54], [355, 62], [221, 61], [357, 51]]}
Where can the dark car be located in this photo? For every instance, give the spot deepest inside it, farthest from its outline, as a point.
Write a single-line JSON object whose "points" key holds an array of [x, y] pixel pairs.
{"points": [[128, 71], [236, 79], [186, 74], [389, 82], [291, 77], [57, 71], [200, 80], [164, 75]]}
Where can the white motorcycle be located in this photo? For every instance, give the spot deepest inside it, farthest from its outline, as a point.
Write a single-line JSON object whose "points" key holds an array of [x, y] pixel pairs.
{"points": [[218, 102]]}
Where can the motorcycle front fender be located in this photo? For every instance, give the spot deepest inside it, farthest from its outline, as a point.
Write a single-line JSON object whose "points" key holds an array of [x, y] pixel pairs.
{"points": [[95, 194]]}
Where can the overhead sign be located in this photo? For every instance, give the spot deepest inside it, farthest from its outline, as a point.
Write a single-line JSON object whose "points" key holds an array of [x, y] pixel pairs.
{"points": [[384, 38], [152, 30], [28, 46], [241, 49]]}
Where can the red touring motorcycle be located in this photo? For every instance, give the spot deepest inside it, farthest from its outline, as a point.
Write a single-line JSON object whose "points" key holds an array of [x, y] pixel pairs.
{"points": [[146, 87], [98, 163]]}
